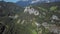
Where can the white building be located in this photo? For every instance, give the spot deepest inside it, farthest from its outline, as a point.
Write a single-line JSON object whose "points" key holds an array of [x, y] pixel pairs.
{"points": [[31, 11]]}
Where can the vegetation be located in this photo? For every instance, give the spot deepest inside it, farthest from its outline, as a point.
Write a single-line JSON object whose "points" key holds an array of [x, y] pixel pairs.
{"points": [[15, 21]]}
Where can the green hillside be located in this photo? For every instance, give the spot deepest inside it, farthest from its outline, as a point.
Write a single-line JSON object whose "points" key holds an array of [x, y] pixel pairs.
{"points": [[16, 21]]}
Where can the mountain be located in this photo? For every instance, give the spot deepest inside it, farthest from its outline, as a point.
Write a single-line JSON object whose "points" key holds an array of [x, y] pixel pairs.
{"points": [[23, 3], [46, 14], [7, 11], [34, 2], [20, 25], [11, 7]]}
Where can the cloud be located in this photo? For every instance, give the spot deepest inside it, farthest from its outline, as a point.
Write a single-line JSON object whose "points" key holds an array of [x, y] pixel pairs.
{"points": [[34, 1]]}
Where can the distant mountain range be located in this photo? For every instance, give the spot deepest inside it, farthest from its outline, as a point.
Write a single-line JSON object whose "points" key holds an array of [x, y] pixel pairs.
{"points": [[23, 3], [34, 2]]}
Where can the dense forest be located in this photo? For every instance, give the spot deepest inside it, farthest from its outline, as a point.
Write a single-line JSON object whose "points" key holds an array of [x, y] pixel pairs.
{"points": [[34, 19]]}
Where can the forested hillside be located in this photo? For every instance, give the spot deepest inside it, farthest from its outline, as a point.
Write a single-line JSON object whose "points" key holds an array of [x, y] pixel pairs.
{"points": [[46, 16], [34, 19]]}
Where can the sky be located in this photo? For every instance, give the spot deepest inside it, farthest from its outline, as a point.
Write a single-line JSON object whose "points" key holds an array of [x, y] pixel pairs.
{"points": [[11, 0], [33, 1], [14, 0]]}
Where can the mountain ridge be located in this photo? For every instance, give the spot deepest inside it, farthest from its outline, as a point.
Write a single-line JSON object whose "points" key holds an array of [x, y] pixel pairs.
{"points": [[27, 3]]}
